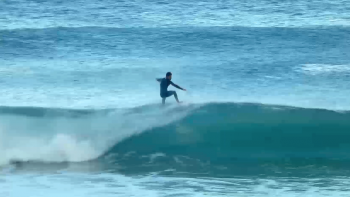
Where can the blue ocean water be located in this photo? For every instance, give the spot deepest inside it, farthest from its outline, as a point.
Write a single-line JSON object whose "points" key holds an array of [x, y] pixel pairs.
{"points": [[266, 112]]}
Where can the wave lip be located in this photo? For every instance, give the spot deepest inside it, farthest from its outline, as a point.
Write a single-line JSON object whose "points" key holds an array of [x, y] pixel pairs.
{"points": [[45, 112]]}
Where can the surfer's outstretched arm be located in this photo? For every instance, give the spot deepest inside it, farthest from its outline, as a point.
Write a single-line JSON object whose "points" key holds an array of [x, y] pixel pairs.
{"points": [[176, 86], [159, 79]]}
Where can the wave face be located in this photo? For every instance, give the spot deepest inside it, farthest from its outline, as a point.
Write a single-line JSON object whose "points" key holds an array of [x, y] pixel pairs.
{"points": [[224, 135], [187, 136]]}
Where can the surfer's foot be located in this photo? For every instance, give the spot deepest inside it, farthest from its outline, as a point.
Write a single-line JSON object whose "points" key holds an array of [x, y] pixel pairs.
{"points": [[179, 102]]}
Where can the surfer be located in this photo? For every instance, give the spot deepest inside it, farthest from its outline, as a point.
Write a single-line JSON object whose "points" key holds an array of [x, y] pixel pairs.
{"points": [[164, 83]]}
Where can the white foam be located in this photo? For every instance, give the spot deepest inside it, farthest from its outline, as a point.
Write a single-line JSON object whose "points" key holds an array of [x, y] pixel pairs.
{"points": [[315, 69], [76, 185], [76, 139], [59, 148], [154, 156]]}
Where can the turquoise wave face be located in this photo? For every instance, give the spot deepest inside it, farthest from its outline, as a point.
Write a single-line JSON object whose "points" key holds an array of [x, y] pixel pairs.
{"points": [[248, 130], [231, 137]]}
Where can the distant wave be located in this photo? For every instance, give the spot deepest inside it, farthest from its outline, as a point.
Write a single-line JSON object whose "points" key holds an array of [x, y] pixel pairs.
{"points": [[315, 69], [106, 29], [252, 23]]}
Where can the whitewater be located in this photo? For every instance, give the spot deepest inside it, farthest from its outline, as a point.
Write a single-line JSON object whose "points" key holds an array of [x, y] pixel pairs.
{"points": [[266, 112]]}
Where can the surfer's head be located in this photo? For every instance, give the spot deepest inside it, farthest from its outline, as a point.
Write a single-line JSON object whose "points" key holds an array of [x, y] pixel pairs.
{"points": [[169, 75]]}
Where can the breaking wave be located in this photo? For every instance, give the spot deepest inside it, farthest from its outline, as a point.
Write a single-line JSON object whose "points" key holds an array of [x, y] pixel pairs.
{"points": [[214, 132]]}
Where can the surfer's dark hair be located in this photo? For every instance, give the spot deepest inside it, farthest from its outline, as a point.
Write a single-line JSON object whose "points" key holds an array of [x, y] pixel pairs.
{"points": [[168, 74]]}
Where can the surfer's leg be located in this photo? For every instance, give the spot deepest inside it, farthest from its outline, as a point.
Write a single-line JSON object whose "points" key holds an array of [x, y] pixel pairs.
{"points": [[163, 100], [175, 95]]}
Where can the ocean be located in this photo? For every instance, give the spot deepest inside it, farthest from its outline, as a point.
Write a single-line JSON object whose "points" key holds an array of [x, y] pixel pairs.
{"points": [[266, 112]]}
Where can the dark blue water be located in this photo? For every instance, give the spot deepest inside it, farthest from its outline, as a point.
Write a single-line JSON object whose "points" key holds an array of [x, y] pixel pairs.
{"points": [[265, 114]]}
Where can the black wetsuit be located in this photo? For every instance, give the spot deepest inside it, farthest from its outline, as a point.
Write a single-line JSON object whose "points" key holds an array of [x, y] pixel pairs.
{"points": [[164, 83]]}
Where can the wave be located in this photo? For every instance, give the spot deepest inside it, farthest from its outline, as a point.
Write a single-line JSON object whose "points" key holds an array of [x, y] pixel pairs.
{"points": [[212, 132]]}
